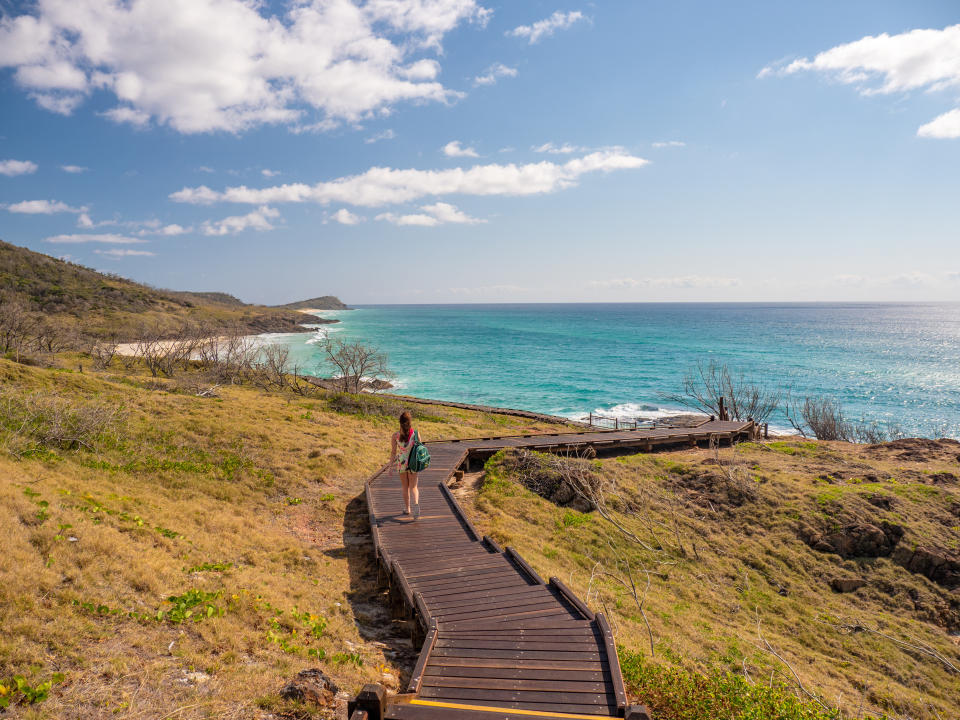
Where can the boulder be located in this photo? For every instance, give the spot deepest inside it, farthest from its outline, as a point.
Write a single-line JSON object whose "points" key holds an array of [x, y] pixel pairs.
{"points": [[933, 564], [845, 585], [856, 539], [563, 494], [311, 686]]}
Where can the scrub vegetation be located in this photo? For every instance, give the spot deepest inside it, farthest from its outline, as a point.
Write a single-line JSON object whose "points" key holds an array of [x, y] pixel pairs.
{"points": [[173, 555], [786, 579]]}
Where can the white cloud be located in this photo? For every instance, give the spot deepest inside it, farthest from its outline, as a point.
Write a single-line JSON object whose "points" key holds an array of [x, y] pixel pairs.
{"points": [[12, 168], [205, 169], [108, 238], [884, 64], [125, 252], [684, 281], [345, 217], [912, 278], [669, 143], [84, 221], [546, 27], [74, 169], [57, 102], [565, 149], [494, 73], [380, 186], [413, 219], [43, 207], [196, 196], [128, 115], [269, 173], [454, 149], [173, 230], [437, 214], [385, 135], [209, 65], [944, 126], [258, 219], [447, 213], [431, 19]]}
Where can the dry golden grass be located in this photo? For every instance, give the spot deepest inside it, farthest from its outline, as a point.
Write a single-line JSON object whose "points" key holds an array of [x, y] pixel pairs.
{"points": [[722, 564], [267, 483]]}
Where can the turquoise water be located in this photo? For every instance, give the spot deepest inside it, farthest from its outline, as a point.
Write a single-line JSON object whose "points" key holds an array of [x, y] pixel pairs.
{"points": [[884, 362]]}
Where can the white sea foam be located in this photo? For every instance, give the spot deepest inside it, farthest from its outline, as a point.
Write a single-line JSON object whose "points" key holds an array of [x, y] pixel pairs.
{"points": [[645, 412], [639, 411]]}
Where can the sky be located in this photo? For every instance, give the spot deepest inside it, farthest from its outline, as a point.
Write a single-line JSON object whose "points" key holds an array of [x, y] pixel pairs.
{"points": [[451, 151]]}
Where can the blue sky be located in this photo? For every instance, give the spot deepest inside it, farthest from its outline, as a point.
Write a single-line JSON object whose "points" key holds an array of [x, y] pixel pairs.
{"points": [[466, 151]]}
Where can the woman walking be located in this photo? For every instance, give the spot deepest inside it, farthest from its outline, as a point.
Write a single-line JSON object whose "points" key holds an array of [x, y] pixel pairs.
{"points": [[403, 442]]}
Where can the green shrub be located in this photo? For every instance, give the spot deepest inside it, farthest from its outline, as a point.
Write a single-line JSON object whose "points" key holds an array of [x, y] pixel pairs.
{"points": [[675, 693]]}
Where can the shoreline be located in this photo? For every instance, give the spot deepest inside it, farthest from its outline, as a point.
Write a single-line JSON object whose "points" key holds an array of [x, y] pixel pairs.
{"points": [[677, 420]]}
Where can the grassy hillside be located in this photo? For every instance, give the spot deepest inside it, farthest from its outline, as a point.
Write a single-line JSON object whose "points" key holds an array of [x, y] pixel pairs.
{"points": [[128, 503], [828, 571], [107, 304]]}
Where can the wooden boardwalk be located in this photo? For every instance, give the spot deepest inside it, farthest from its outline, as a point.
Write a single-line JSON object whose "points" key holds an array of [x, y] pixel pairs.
{"points": [[500, 643]]}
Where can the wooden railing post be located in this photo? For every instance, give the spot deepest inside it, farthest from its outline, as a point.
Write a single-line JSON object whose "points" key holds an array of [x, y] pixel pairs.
{"points": [[372, 699]]}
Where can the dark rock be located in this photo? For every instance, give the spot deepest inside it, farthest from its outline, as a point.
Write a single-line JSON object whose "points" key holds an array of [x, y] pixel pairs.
{"points": [[943, 478], [884, 502], [933, 564], [311, 686], [581, 504], [563, 494], [856, 539], [845, 585]]}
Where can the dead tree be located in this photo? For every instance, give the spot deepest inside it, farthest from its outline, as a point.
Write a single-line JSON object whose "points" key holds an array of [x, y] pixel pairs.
{"points": [[823, 417], [712, 388], [103, 351], [356, 364], [271, 366], [229, 356], [17, 329]]}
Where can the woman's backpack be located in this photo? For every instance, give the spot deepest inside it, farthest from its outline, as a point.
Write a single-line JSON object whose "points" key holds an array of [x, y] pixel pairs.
{"points": [[419, 458]]}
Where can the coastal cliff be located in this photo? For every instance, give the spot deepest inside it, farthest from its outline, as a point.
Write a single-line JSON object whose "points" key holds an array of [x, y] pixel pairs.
{"points": [[99, 304], [325, 302]]}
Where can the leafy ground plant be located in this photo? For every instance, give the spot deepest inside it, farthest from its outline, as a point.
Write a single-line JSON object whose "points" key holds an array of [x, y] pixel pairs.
{"points": [[675, 693], [17, 691]]}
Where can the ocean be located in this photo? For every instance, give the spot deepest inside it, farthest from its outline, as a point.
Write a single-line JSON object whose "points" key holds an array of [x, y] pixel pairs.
{"points": [[890, 363]]}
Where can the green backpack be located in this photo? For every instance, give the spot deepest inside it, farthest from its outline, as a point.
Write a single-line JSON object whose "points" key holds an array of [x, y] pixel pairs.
{"points": [[419, 459]]}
